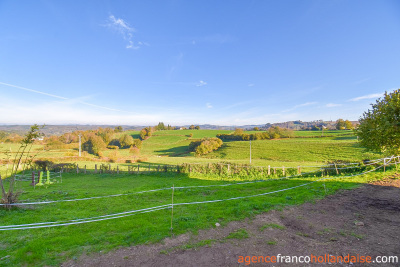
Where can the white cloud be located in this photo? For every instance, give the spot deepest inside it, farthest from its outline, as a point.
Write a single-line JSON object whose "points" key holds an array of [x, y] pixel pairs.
{"points": [[201, 83], [208, 105], [120, 24], [332, 105], [370, 96], [125, 30], [250, 85]]}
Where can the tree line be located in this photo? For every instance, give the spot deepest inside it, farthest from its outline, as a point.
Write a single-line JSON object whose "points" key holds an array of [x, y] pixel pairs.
{"points": [[274, 132]]}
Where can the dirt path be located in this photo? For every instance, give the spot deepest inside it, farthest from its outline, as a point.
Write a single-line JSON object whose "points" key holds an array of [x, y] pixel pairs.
{"points": [[364, 221]]}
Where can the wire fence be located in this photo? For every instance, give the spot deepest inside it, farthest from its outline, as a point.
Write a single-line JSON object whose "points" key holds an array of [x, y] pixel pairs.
{"points": [[387, 162], [222, 170]]}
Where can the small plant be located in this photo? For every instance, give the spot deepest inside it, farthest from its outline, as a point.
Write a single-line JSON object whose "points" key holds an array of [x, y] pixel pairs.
{"points": [[26, 145], [272, 242], [238, 234], [272, 225]]}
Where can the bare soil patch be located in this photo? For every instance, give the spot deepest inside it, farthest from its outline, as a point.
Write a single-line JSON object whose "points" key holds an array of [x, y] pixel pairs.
{"points": [[364, 221]]}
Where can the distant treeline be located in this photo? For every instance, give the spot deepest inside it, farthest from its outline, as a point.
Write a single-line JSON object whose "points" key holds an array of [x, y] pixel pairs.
{"points": [[271, 133]]}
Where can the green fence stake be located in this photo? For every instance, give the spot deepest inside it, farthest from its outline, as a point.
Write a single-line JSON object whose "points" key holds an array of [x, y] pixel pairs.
{"points": [[40, 183]]}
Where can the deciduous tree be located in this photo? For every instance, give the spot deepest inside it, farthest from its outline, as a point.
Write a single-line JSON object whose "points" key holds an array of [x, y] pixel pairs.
{"points": [[379, 128]]}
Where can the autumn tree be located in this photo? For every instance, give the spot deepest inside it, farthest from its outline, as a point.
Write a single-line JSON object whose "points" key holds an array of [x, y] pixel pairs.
{"points": [[379, 128], [348, 125], [118, 129], [94, 144], [340, 124], [126, 141]]}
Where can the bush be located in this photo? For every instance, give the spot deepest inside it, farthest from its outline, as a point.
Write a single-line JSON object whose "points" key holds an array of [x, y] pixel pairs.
{"points": [[126, 141], [205, 145], [115, 142], [112, 147], [44, 165], [94, 144]]}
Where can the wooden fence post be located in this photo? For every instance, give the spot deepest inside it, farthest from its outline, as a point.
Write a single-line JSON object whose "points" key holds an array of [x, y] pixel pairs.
{"points": [[117, 169], [177, 168], [384, 165], [149, 168], [269, 170], [138, 166], [85, 169], [158, 168], [95, 168], [77, 168], [283, 170], [298, 170]]}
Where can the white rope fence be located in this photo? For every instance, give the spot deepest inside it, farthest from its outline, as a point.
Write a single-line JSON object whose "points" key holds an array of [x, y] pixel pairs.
{"points": [[187, 187], [162, 207]]}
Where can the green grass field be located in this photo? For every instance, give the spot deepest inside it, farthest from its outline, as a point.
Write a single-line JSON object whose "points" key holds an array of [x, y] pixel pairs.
{"points": [[51, 246], [171, 147]]}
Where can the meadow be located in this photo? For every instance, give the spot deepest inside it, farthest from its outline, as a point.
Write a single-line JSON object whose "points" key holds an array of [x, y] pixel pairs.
{"points": [[53, 245]]}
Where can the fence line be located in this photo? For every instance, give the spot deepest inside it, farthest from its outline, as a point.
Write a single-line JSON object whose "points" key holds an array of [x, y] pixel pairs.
{"points": [[184, 187], [156, 208]]}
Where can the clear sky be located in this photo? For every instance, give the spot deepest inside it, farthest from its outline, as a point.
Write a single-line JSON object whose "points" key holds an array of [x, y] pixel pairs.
{"points": [[195, 61]]}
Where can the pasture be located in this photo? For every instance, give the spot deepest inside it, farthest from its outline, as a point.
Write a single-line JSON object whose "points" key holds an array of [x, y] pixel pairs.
{"points": [[50, 246], [99, 212]]}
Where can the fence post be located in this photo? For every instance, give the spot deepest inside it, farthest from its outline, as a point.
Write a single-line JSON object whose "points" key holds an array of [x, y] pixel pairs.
{"points": [[117, 169], [33, 179], [85, 169], [149, 168], [269, 170], [158, 168], [77, 168], [177, 168], [138, 166], [384, 165], [283, 170], [274, 170], [229, 169], [95, 168]]}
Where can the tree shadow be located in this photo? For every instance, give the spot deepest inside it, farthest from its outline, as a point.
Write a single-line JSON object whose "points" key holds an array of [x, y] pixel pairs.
{"points": [[179, 151]]}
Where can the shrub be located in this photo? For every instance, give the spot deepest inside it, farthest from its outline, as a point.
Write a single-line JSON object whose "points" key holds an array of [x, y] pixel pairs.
{"points": [[115, 142], [126, 141], [44, 164], [94, 144], [112, 147], [205, 145]]}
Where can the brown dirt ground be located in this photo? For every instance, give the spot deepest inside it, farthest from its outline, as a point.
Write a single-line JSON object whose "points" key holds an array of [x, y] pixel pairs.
{"points": [[331, 225]]}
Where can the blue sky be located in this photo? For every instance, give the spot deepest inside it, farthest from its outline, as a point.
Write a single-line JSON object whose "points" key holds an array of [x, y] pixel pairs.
{"points": [[184, 62]]}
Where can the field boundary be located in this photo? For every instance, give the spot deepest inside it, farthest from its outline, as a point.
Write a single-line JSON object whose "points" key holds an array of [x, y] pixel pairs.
{"points": [[168, 206]]}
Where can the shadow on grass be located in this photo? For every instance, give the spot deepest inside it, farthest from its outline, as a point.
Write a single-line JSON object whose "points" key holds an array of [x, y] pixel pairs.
{"points": [[179, 151]]}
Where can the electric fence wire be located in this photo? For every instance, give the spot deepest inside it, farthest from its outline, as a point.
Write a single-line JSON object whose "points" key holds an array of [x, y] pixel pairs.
{"points": [[168, 188], [156, 208]]}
